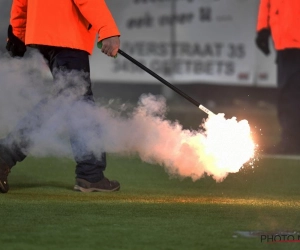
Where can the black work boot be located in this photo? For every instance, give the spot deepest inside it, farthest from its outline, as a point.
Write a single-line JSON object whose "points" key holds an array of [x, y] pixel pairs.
{"points": [[4, 171], [105, 185]]}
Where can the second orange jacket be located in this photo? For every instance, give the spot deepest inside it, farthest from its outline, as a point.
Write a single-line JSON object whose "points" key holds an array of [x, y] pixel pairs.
{"points": [[62, 23], [283, 18]]}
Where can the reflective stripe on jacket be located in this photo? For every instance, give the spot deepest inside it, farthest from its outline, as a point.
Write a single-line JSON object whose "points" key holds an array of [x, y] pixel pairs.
{"points": [[283, 18], [62, 23]]}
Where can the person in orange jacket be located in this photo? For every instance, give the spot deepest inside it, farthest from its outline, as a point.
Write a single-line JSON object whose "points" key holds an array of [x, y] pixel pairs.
{"points": [[64, 33], [279, 20]]}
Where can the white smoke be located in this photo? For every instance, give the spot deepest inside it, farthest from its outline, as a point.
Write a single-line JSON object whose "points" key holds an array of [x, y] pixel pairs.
{"points": [[143, 131], [20, 87]]}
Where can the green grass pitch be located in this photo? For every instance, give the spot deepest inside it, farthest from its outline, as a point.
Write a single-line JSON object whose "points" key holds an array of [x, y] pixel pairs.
{"points": [[152, 210]]}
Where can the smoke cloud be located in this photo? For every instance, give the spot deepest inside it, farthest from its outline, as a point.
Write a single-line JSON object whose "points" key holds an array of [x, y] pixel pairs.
{"points": [[142, 131]]}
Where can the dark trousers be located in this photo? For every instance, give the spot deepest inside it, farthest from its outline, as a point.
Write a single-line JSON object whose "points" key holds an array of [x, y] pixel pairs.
{"points": [[62, 62], [288, 79]]}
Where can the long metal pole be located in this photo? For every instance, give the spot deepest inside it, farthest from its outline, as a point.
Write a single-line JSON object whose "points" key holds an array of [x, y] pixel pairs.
{"points": [[162, 80]]}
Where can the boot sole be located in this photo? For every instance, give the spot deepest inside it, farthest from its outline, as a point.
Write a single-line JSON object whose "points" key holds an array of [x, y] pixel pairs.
{"points": [[88, 190]]}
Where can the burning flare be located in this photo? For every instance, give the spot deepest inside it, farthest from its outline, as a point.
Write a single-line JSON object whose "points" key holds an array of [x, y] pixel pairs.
{"points": [[219, 147], [227, 143]]}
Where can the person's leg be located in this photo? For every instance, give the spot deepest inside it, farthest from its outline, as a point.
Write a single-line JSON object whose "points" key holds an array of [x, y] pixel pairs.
{"points": [[62, 63], [288, 78], [289, 113], [14, 147]]}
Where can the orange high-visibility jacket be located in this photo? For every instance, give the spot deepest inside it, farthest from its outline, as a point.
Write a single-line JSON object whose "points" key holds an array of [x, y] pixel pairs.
{"points": [[62, 23], [283, 18]]}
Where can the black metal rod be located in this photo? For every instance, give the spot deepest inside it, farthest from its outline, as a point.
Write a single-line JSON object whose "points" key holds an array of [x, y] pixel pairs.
{"points": [[159, 78]]}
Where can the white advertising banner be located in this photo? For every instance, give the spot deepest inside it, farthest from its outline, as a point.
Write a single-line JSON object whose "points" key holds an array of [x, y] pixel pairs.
{"points": [[217, 42], [187, 41]]}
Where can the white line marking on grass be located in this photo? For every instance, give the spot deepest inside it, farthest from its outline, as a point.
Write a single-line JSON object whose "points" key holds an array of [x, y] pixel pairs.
{"points": [[286, 157]]}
